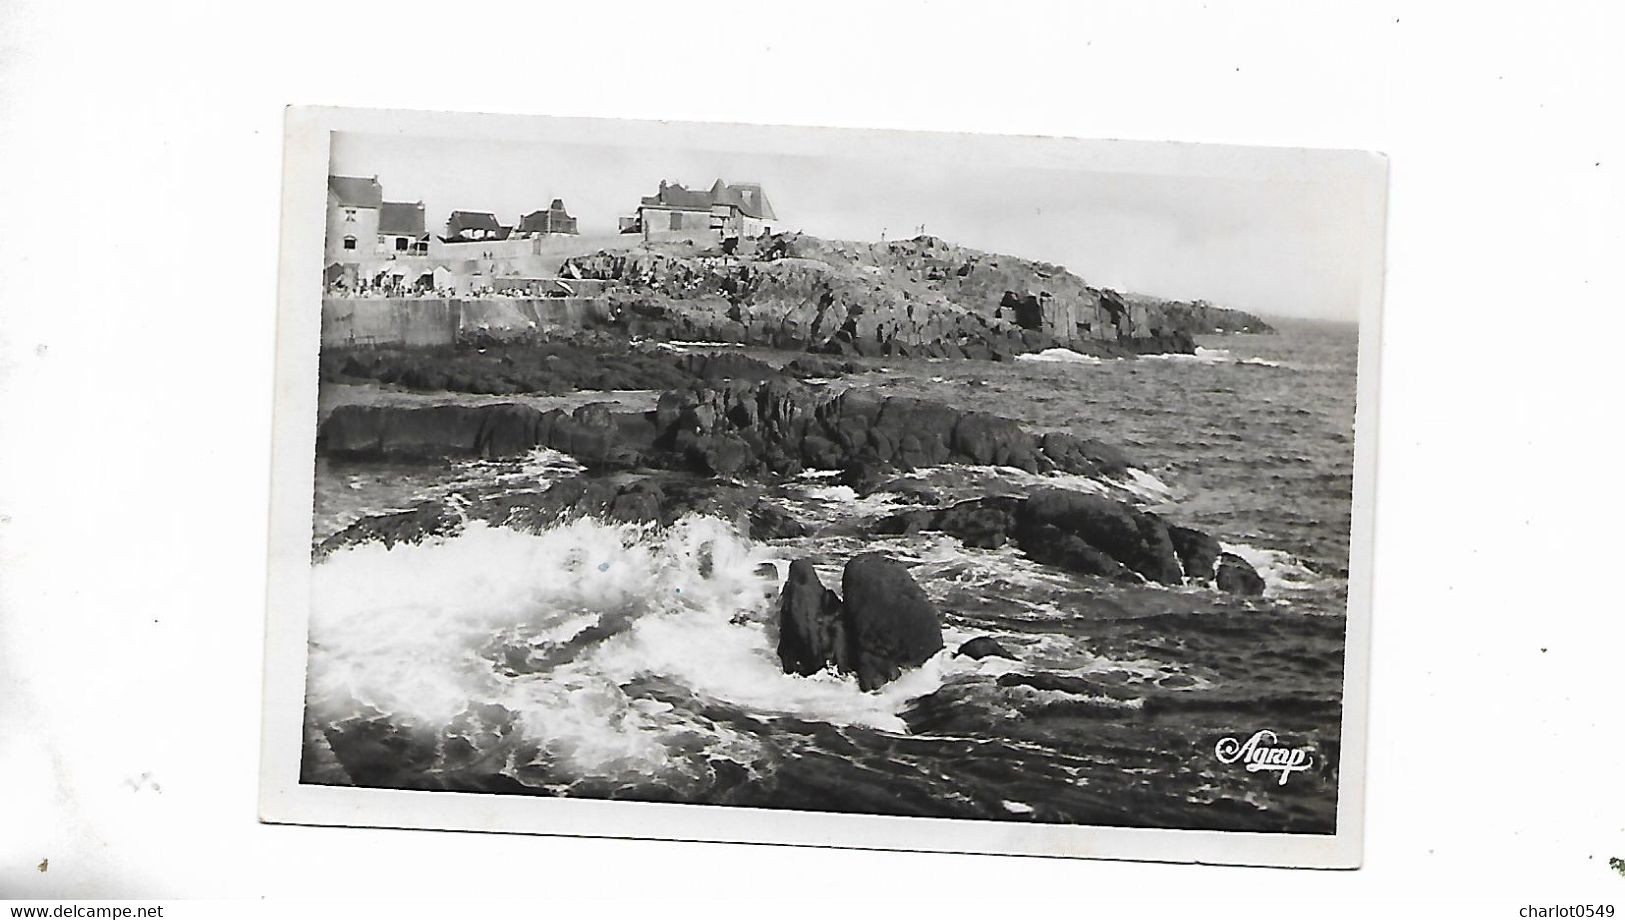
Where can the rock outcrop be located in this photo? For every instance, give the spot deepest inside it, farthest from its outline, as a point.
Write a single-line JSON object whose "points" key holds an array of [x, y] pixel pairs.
{"points": [[775, 426], [592, 434], [784, 429], [890, 624], [812, 635], [1075, 530], [884, 625], [592, 360], [1236, 576], [1087, 534], [919, 297]]}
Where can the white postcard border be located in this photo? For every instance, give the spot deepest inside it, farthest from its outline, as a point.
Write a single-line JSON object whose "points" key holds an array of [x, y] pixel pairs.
{"points": [[283, 799]]}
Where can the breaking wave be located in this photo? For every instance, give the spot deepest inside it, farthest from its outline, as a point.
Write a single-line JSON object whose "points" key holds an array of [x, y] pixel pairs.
{"points": [[1203, 356], [1059, 355], [558, 629]]}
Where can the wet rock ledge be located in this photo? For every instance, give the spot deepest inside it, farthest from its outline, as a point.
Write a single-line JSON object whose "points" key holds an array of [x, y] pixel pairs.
{"points": [[740, 427]]}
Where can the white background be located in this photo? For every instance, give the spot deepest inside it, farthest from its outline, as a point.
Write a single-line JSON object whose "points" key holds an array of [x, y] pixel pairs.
{"points": [[139, 186]]}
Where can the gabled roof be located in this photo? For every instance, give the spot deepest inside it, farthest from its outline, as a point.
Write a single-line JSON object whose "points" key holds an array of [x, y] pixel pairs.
{"points": [[401, 218], [353, 192], [746, 196], [472, 220]]}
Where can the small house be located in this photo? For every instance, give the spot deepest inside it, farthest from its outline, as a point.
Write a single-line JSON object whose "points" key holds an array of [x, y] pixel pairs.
{"points": [[401, 229], [467, 226], [544, 223]]}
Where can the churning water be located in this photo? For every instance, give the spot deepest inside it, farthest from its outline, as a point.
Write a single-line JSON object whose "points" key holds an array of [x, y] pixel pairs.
{"points": [[622, 661]]}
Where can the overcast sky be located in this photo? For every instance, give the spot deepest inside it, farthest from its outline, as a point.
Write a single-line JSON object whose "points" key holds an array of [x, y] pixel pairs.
{"points": [[1290, 240]]}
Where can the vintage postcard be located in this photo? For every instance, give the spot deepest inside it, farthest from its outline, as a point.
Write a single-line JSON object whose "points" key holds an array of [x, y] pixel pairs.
{"points": [[810, 486]]}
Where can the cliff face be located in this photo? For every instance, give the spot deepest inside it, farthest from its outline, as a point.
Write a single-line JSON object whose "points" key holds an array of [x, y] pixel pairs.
{"points": [[921, 297]]}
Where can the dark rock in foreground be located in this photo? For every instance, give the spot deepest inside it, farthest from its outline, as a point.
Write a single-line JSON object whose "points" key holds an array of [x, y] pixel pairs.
{"points": [[884, 625], [811, 633], [890, 623]]}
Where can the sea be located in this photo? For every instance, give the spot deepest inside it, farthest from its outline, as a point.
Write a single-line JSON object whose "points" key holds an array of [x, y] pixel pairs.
{"points": [[613, 661]]}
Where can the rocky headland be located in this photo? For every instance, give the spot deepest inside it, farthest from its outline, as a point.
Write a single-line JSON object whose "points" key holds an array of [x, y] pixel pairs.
{"points": [[824, 299], [922, 297]]}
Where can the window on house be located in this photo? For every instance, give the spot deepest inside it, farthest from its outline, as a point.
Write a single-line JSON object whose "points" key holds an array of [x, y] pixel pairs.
{"points": [[677, 220], [401, 243], [349, 215], [349, 242]]}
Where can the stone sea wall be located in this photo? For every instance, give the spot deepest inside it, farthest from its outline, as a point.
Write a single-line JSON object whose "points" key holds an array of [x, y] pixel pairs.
{"points": [[426, 321]]}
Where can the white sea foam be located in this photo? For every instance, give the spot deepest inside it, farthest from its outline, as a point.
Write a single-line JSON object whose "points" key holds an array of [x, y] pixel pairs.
{"points": [[681, 347], [837, 502], [1147, 486], [1060, 356], [1202, 356], [544, 461], [423, 632]]}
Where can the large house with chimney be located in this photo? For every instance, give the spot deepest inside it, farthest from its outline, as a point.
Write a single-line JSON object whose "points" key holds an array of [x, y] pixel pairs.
{"points": [[722, 211]]}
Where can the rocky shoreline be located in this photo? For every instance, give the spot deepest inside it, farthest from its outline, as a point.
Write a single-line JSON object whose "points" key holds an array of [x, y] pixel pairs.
{"points": [[922, 297], [715, 447], [728, 427], [829, 301]]}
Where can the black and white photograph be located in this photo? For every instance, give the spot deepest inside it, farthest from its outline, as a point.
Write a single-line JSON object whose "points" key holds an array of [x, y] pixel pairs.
{"points": [[988, 479]]}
